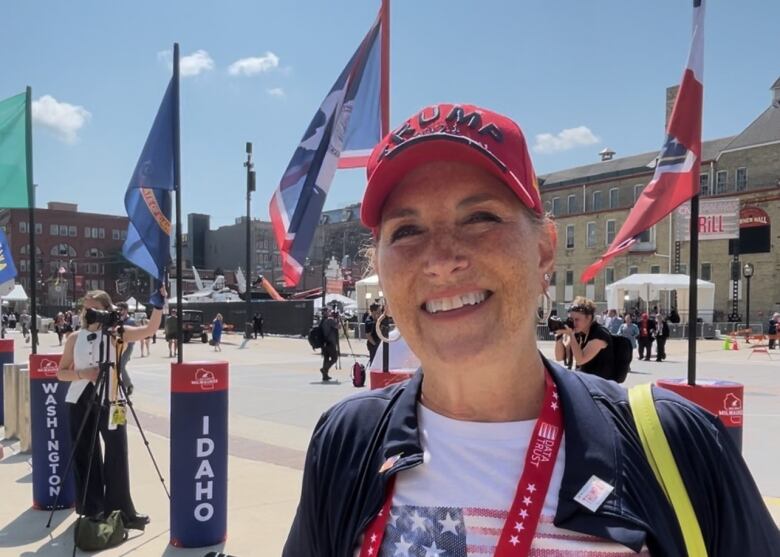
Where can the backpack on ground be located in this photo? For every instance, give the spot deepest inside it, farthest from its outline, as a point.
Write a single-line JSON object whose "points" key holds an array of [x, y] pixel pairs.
{"points": [[358, 374], [316, 337], [94, 535], [623, 353]]}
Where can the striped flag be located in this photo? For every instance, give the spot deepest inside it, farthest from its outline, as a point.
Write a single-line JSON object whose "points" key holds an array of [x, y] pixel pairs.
{"points": [[350, 121], [676, 177]]}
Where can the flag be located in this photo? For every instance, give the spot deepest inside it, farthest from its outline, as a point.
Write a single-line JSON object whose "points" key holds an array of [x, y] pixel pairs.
{"points": [[348, 122], [148, 196], [676, 177], [14, 182], [7, 267]]}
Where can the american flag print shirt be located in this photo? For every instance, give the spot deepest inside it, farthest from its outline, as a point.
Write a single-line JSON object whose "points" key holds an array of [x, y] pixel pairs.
{"points": [[455, 503]]}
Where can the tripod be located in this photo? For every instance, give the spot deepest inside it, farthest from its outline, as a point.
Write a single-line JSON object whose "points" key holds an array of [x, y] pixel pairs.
{"points": [[98, 401]]}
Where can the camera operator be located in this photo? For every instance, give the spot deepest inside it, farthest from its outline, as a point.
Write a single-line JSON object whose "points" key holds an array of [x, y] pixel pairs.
{"points": [[591, 343], [109, 481]]}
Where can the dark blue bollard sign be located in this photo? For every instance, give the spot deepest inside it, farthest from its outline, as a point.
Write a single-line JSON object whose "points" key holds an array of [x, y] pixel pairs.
{"points": [[6, 357], [51, 444], [199, 453]]}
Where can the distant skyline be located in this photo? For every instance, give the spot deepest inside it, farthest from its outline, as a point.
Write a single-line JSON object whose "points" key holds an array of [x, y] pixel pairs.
{"points": [[577, 77]]}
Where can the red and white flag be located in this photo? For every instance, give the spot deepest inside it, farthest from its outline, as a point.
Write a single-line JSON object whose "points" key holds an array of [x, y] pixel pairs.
{"points": [[676, 178]]}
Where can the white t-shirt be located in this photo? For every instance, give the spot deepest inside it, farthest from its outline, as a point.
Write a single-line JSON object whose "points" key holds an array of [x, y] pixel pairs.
{"points": [[455, 503], [86, 354]]}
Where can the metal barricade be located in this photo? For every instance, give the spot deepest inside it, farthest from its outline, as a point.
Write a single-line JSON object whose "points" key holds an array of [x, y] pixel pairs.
{"points": [[23, 409]]}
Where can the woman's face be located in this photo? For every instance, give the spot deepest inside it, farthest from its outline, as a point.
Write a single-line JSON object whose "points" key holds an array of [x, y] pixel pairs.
{"points": [[91, 303], [581, 321], [460, 261]]}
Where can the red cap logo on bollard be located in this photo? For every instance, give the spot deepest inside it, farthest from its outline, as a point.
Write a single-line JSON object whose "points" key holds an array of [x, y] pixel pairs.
{"points": [[732, 408], [205, 379], [48, 367]]}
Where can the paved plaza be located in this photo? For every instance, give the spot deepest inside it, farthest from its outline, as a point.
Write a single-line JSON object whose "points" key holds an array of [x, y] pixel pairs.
{"points": [[275, 399]]}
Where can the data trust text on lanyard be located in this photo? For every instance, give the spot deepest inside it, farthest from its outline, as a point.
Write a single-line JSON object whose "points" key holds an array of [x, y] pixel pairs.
{"points": [[520, 526]]}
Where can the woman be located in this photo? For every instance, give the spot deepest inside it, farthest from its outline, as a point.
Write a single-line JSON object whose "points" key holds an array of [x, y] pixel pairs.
{"points": [[145, 342], [109, 480], [590, 342], [216, 332], [59, 326], [431, 466], [661, 334], [646, 328]]}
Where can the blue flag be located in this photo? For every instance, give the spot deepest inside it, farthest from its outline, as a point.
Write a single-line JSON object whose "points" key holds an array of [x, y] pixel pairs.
{"points": [[148, 197], [7, 267]]}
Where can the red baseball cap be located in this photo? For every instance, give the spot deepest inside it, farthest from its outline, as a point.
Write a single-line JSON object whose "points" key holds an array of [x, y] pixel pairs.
{"points": [[450, 132]]}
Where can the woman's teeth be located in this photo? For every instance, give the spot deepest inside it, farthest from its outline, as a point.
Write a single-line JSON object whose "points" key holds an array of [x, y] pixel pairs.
{"points": [[455, 302]]}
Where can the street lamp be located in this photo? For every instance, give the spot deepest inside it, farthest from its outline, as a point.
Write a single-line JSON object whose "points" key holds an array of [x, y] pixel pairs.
{"points": [[747, 272], [250, 187]]}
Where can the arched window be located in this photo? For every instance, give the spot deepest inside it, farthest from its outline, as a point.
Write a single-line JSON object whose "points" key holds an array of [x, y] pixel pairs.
{"points": [[94, 252], [63, 250], [26, 250]]}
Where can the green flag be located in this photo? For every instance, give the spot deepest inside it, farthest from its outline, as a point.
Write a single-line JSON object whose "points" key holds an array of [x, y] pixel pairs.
{"points": [[14, 191]]}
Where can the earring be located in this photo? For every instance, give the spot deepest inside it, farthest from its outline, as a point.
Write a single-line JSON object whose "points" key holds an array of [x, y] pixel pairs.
{"points": [[378, 329]]}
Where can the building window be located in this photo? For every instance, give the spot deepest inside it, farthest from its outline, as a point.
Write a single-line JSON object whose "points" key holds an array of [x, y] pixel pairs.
{"points": [[54, 230], [610, 231], [63, 250], [704, 183], [115, 234], [556, 206], [721, 182], [740, 182], [638, 191], [94, 233], [571, 204], [655, 269], [72, 231], [591, 235], [22, 265], [64, 230], [610, 275], [124, 234], [645, 237], [614, 198], [23, 227], [38, 228], [569, 236], [683, 269], [706, 271], [101, 233], [633, 270], [598, 201], [87, 232], [569, 278]]}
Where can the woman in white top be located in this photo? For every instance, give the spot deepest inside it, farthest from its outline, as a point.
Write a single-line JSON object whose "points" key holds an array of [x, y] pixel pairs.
{"points": [[109, 480]]}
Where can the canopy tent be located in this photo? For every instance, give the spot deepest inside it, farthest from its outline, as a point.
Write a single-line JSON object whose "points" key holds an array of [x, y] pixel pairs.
{"points": [[16, 295], [133, 305], [649, 288], [366, 291], [346, 303]]}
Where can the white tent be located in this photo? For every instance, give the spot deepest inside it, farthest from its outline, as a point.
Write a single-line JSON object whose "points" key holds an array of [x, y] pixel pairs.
{"points": [[347, 303], [366, 291], [650, 286], [16, 295], [133, 305]]}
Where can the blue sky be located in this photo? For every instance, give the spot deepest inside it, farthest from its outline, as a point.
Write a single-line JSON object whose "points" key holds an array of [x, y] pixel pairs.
{"points": [[100, 68]]}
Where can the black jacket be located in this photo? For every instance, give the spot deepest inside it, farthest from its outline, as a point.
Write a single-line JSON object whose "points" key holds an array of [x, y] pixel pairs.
{"points": [[343, 489]]}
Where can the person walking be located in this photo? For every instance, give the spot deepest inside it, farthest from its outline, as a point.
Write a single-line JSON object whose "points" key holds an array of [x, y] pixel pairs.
{"points": [[171, 333], [646, 329], [216, 332], [372, 340], [257, 325], [330, 345], [25, 320], [661, 334], [629, 330]]}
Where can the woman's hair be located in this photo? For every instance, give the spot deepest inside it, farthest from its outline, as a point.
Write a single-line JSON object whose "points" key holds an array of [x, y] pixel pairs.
{"points": [[581, 304], [101, 296], [219, 316]]}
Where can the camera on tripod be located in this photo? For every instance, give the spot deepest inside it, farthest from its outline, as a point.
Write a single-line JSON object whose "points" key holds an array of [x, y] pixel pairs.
{"points": [[105, 318], [556, 323]]}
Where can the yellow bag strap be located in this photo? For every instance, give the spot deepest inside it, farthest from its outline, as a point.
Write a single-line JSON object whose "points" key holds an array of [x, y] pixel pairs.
{"points": [[661, 460]]}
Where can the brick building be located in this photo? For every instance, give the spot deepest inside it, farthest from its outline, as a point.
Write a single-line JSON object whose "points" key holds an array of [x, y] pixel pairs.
{"points": [[87, 246], [591, 203]]}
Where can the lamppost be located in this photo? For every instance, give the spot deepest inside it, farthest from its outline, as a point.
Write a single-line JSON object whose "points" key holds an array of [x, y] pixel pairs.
{"points": [[747, 272], [250, 187]]}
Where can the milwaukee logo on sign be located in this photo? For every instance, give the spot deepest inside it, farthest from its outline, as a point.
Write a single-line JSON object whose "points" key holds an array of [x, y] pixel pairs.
{"points": [[205, 379], [48, 367]]}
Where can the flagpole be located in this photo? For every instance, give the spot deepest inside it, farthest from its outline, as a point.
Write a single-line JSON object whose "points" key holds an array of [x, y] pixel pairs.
{"points": [[384, 86], [177, 188], [693, 290], [31, 224]]}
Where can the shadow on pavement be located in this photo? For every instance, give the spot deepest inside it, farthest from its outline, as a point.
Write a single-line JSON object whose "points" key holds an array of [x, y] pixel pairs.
{"points": [[331, 382], [30, 526], [171, 551]]}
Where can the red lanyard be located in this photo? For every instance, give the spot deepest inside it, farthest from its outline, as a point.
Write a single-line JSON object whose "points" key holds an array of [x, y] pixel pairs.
{"points": [[520, 525]]}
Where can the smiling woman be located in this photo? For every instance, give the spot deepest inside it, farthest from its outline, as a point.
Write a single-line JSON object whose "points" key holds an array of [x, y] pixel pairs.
{"points": [[468, 457]]}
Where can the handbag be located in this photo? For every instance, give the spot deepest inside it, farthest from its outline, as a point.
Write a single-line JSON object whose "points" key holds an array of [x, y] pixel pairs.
{"points": [[661, 460], [94, 535]]}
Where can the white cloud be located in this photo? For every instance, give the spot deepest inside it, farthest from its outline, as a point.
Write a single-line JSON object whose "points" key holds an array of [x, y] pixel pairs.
{"points": [[194, 64], [569, 138], [276, 92], [64, 119], [254, 65]]}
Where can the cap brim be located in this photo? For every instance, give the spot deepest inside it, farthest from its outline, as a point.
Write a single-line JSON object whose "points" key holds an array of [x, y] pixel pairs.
{"points": [[432, 148]]}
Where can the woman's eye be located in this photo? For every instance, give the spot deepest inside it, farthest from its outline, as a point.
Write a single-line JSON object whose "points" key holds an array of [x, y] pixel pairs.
{"points": [[403, 232], [483, 216]]}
